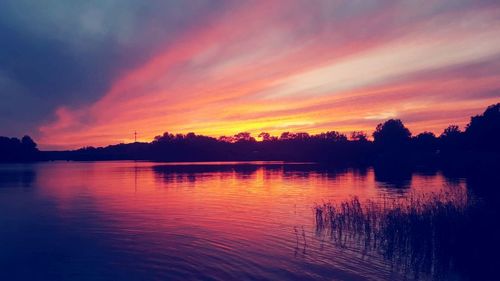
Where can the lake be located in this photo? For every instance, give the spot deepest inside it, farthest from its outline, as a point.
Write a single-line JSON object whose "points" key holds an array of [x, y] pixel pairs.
{"points": [[187, 221]]}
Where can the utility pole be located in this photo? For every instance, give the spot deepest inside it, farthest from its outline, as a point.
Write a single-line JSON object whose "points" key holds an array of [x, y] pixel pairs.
{"points": [[135, 136]]}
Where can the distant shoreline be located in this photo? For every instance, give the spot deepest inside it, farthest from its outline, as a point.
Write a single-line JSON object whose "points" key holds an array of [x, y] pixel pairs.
{"points": [[393, 145]]}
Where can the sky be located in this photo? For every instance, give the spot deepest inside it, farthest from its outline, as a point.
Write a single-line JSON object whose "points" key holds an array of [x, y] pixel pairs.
{"points": [[91, 73]]}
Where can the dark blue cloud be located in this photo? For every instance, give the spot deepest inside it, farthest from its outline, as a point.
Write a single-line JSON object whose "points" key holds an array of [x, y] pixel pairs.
{"points": [[57, 53]]}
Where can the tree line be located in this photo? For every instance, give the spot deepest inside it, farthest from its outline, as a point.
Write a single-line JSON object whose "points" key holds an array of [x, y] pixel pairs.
{"points": [[18, 150], [391, 142]]}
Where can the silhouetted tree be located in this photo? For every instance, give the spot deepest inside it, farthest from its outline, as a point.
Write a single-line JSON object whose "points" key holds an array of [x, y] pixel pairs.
{"points": [[483, 131], [336, 136], [13, 149], [392, 144], [28, 143], [227, 139], [426, 141], [243, 136], [391, 134], [331, 136], [265, 136], [190, 135], [425, 149], [164, 138], [301, 136], [451, 139], [451, 131], [359, 136], [287, 136]]}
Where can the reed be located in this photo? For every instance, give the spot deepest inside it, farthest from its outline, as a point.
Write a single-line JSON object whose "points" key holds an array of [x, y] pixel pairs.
{"points": [[430, 234]]}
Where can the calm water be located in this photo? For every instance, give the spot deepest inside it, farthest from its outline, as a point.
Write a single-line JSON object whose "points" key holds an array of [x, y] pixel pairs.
{"points": [[153, 221]]}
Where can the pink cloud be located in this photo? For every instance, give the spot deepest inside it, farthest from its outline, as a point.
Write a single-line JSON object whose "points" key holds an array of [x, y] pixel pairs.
{"points": [[275, 67]]}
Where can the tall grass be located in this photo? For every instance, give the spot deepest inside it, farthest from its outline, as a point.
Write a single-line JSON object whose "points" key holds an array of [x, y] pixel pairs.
{"points": [[433, 234]]}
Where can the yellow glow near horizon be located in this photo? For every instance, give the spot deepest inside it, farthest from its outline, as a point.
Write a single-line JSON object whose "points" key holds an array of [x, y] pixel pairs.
{"points": [[255, 70]]}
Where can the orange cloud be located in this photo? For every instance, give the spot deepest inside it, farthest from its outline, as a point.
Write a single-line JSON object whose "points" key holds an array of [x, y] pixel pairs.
{"points": [[269, 67]]}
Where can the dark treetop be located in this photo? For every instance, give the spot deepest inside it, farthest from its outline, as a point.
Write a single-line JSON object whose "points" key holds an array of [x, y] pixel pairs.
{"points": [[392, 142]]}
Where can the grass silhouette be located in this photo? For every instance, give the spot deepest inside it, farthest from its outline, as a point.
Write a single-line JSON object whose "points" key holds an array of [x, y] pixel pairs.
{"points": [[433, 234]]}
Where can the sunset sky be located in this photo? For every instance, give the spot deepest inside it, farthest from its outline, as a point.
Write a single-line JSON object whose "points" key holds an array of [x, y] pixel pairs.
{"points": [[78, 73]]}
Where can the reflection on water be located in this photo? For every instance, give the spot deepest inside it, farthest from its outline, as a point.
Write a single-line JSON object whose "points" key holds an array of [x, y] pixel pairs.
{"points": [[210, 221], [420, 234], [17, 175]]}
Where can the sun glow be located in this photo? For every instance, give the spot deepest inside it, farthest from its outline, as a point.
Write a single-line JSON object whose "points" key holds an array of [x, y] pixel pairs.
{"points": [[275, 74]]}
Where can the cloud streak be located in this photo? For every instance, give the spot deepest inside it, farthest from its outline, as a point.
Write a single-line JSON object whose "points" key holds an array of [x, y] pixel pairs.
{"points": [[300, 66]]}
